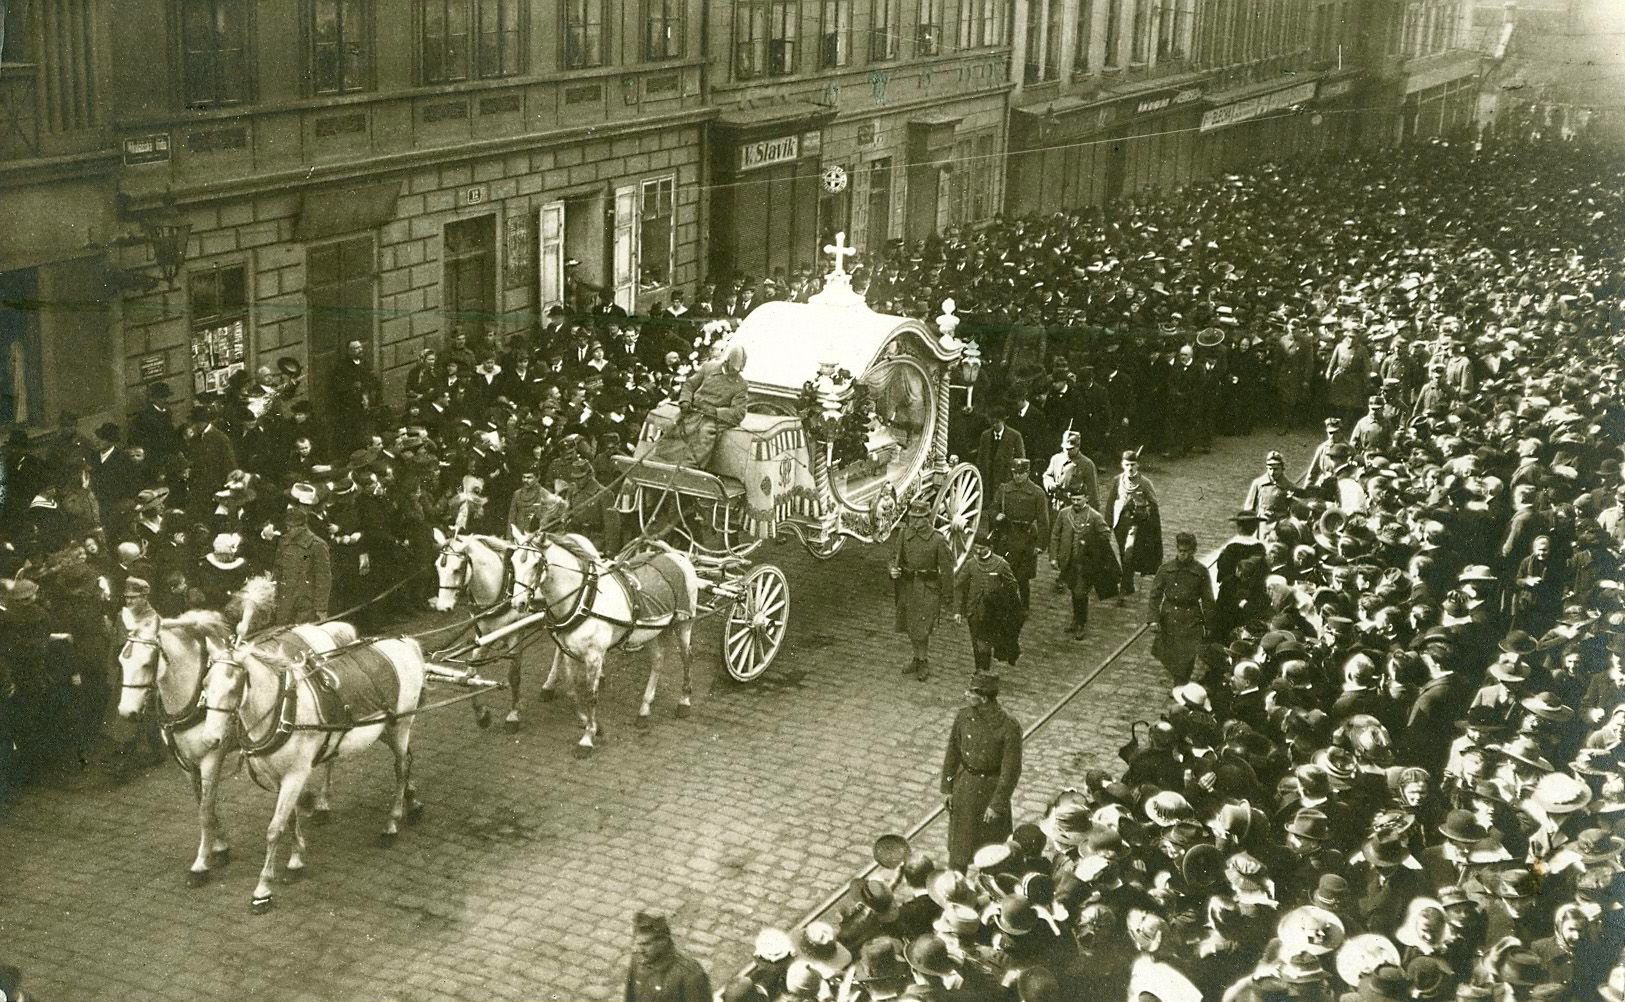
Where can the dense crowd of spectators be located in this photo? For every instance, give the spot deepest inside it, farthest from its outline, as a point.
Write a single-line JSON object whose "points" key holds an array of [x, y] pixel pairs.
{"points": [[1396, 771]]}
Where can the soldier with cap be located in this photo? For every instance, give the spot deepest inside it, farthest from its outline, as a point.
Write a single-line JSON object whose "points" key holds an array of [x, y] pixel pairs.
{"points": [[1021, 525], [922, 572], [1081, 553], [1270, 494], [980, 771], [659, 971], [1180, 607], [988, 601]]}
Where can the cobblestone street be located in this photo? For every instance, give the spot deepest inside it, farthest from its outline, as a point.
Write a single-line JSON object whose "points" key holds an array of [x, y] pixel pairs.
{"points": [[521, 880]]}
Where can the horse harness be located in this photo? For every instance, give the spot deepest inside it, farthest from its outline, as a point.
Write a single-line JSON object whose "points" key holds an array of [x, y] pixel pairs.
{"points": [[580, 602], [193, 711], [350, 687]]}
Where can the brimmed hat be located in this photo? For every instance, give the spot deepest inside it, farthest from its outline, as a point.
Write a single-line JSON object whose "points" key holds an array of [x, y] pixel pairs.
{"points": [[928, 955], [1360, 955], [1596, 845], [1518, 642], [1476, 572], [816, 945], [874, 895], [1521, 967], [152, 497], [1546, 706], [1331, 892], [1310, 824], [881, 959], [1310, 929], [1515, 884], [1524, 748], [1483, 718], [1012, 914], [1167, 808], [773, 945], [1558, 793], [1514, 671], [1462, 827], [958, 920], [1067, 825], [136, 588], [1385, 984]]}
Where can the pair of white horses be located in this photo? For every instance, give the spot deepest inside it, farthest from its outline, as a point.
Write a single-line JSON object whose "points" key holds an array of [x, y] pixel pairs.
{"points": [[219, 695], [589, 613]]}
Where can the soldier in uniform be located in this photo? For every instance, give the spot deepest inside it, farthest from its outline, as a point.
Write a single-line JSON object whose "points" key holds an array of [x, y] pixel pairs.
{"points": [[922, 572], [1180, 606], [1270, 494], [1081, 553], [1021, 525], [981, 585], [980, 771]]}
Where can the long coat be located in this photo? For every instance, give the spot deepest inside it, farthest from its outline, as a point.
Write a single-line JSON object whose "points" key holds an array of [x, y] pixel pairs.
{"points": [[304, 577], [1137, 524], [980, 770], [1081, 546], [924, 585], [712, 402], [1021, 525], [994, 456]]}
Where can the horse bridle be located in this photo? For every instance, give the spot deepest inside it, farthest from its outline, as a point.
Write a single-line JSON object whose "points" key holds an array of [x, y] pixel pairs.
{"points": [[168, 720], [450, 552]]}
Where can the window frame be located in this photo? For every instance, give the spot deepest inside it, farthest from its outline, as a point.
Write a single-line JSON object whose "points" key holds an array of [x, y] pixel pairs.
{"points": [[1114, 34], [570, 55], [1083, 37], [928, 28], [512, 53], [672, 20], [885, 37], [367, 76], [842, 35], [199, 322], [244, 90], [669, 181]]}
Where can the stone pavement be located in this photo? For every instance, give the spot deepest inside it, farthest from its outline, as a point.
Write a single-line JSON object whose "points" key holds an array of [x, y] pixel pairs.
{"points": [[521, 879]]}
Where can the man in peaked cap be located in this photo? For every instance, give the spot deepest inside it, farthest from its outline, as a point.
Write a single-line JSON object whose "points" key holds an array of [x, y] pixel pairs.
{"points": [[922, 573], [659, 971], [1021, 525], [980, 771]]}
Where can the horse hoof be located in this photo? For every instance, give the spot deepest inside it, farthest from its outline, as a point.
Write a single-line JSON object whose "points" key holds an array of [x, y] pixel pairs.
{"points": [[683, 711], [220, 857], [386, 840], [641, 723], [197, 878], [321, 816], [547, 695], [260, 905], [510, 723], [583, 751], [482, 718], [293, 875], [414, 812]]}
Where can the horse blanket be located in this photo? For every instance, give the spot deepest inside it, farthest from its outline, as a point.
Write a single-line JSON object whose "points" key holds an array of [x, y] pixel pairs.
{"points": [[654, 587], [359, 686]]}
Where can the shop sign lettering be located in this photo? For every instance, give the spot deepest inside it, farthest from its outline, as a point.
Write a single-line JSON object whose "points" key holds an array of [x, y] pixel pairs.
{"points": [[1254, 107], [766, 152]]}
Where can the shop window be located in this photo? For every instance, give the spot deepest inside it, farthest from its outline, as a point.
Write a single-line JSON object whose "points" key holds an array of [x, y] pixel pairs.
{"points": [[928, 29], [765, 38], [663, 29], [472, 39], [1085, 34], [883, 33], [657, 234], [217, 299], [835, 34], [340, 46], [880, 179], [583, 34], [214, 50]]}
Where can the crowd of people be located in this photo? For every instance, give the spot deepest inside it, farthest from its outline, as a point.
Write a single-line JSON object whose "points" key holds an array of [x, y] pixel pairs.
{"points": [[1390, 763]]}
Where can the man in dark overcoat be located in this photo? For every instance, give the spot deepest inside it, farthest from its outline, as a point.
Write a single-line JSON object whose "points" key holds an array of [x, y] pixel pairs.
{"points": [[922, 572], [1081, 553], [303, 572], [980, 586], [980, 771], [1180, 607], [1000, 446], [1021, 525]]}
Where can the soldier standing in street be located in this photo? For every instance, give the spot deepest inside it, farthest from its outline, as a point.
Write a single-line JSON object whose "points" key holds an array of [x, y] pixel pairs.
{"points": [[659, 971], [922, 572], [980, 771], [981, 585], [1180, 606], [1081, 553], [1021, 525]]}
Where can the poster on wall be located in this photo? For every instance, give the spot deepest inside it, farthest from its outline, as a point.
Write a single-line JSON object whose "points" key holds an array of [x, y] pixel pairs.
{"points": [[217, 353], [517, 259]]}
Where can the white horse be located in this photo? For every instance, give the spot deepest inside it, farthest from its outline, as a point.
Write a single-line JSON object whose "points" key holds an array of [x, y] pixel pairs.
{"points": [[277, 710], [168, 657], [476, 566], [593, 607]]}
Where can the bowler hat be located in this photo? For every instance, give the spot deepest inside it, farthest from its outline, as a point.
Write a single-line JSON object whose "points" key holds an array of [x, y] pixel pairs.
{"points": [[1461, 826]]}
